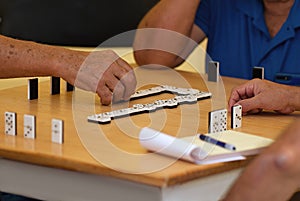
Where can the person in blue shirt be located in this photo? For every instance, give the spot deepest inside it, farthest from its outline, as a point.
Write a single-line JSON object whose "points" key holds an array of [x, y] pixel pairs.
{"points": [[241, 34]]}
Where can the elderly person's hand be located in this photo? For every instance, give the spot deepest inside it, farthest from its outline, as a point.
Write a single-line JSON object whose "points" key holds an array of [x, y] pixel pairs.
{"points": [[102, 72], [256, 95]]}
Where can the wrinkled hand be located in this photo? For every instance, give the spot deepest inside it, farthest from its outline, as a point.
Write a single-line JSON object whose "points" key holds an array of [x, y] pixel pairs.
{"points": [[104, 73], [256, 95]]}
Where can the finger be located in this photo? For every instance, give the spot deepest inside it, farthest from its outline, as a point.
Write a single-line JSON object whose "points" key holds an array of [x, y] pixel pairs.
{"points": [[244, 91], [105, 94], [112, 81], [115, 87], [126, 75], [120, 68], [124, 64], [118, 92], [120, 71], [234, 98], [255, 111], [237, 95], [129, 83]]}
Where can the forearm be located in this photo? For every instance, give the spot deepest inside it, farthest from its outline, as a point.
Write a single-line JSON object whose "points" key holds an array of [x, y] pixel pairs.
{"points": [[102, 72], [262, 181], [274, 174], [175, 15], [160, 45], [24, 59], [294, 97]]}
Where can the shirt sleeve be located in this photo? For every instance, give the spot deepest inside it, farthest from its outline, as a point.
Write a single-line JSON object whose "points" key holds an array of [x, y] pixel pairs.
{"points": [[202, 17]]}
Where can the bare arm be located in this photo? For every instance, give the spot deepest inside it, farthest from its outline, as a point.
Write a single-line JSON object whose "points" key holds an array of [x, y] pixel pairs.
{"points": [[274, 174], [167, 48], [256, 95], [102, 72], [23, 58]]}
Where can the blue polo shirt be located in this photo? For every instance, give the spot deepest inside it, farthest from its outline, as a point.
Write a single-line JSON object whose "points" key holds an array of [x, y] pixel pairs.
{"points": [[239, 39]]}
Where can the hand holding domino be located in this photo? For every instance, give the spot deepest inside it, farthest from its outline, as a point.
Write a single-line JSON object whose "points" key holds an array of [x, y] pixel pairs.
{"points": [[257, 95]]}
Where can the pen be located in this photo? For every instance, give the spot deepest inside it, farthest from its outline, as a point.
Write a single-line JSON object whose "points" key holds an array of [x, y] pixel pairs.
{"points": [[216, 142]]}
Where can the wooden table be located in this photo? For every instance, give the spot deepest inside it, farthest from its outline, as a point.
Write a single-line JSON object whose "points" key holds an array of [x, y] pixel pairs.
{"points": [[71, 171]]}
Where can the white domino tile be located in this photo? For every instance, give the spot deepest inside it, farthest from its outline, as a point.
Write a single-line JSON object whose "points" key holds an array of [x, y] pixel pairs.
{"points": [[10, 123], [57, 131], [217, 121], [236, 116], [29, 126]]}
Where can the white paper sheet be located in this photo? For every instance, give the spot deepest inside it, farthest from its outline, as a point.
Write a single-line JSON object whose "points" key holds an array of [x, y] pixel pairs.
{"points": [[161, 143], [186, 149]]}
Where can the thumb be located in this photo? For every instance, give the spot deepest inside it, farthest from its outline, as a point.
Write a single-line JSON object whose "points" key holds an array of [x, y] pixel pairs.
{"points": [[250, 104]]}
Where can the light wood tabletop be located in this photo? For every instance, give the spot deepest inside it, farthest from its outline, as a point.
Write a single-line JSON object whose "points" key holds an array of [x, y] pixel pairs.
{"points": [[130, 162]]}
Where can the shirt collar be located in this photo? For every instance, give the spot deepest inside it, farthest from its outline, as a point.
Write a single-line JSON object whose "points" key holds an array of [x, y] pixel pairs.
{"points": [[254, 9], [294, 18], [251, 8]]}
